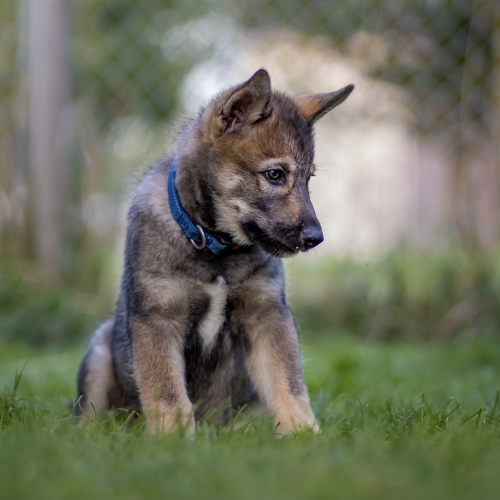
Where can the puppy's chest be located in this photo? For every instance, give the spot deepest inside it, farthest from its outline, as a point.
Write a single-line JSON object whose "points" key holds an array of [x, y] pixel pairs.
{"points": [[213, 317]]}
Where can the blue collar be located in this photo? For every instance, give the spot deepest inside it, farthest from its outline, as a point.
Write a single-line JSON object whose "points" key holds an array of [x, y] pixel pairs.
{"points": [[196, 234]]}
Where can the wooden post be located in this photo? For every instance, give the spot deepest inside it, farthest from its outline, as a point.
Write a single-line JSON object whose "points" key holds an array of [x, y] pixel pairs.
{"points": [[495, 45], [49, 128]]}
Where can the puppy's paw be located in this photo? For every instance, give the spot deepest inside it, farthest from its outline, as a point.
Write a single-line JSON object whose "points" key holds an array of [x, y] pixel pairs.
{"points": [[287, 428], [180, 420]]}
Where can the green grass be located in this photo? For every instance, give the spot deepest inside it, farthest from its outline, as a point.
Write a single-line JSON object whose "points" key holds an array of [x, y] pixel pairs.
{"points": [[390, 429]]}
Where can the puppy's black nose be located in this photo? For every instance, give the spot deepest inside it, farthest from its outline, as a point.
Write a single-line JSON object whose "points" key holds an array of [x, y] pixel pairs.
{"points": [[312, 236]]}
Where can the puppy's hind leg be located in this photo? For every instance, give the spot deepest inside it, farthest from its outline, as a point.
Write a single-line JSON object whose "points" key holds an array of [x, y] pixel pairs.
{"points": [[96, 379]]}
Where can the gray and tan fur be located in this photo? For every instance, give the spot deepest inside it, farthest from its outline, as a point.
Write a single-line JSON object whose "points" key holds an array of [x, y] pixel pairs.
{"points": [[197, 330]]}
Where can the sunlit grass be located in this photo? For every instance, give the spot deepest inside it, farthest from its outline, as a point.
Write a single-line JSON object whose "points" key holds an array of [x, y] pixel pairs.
{"points": [[398, 421]]}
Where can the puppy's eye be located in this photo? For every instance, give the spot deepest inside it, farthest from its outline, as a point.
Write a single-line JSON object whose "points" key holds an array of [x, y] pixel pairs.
{"points": [[276, 176]]}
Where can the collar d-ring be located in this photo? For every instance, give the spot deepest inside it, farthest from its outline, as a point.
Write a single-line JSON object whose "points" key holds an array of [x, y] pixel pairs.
{"points": [[203, 244]]}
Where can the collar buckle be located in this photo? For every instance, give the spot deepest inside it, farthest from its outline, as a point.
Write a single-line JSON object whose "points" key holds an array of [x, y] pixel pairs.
{"points": [[191, 230], [203, 244]]}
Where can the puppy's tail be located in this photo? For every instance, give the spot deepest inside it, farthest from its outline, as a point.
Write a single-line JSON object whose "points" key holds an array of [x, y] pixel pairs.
{"points": [[96, 379]]}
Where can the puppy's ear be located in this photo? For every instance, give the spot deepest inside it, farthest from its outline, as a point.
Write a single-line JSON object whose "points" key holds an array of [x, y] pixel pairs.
{"points": [[246, 104], [314, 106]]}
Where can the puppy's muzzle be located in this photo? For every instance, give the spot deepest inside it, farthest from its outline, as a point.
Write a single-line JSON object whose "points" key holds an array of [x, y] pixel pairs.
{"points": [[311, 235]]}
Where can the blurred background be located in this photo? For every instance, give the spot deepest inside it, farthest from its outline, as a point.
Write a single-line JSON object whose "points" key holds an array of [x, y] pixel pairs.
{"points": [[408, 184]]}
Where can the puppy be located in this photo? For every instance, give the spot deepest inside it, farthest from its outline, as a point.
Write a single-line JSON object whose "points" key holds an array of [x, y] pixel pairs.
{"points": [[202, 319]]}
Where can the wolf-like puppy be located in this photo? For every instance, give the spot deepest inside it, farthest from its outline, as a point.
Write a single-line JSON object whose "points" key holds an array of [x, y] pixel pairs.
{"points": [[202, 317]]}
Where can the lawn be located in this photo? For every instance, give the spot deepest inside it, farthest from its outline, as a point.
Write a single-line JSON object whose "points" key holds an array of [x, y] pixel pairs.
{"points": [[398, 421]]}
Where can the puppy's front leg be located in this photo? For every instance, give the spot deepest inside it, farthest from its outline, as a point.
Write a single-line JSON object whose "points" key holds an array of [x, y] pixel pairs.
{"points": [[274, 366], [159, 371]]}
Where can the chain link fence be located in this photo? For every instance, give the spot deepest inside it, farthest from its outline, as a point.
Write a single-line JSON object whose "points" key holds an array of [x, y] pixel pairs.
{"points": [[412, 156]]}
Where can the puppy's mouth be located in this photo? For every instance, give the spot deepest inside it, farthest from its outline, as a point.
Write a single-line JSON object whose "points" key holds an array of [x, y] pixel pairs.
{"points": [[273, 246]]}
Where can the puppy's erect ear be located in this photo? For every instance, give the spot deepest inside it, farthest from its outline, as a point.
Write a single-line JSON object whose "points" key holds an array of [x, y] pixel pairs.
{"points": [[314, 106], [246, 104]]}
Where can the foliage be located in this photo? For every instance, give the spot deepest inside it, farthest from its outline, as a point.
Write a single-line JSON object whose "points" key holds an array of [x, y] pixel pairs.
{"points": [[407, 294], [125, 60], [443, 52], [381, 437], [39, 315]]}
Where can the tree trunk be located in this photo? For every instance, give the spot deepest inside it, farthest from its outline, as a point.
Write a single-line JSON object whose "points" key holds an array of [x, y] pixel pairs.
{"points": [[495, 16], [50, 128]]}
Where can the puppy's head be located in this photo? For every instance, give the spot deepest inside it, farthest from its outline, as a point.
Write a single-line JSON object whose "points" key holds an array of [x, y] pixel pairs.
{"points": [[258, 151]]}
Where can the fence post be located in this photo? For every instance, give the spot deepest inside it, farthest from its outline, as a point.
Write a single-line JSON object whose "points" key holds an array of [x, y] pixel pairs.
{"points": [[49, 127], [495, 17]]}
